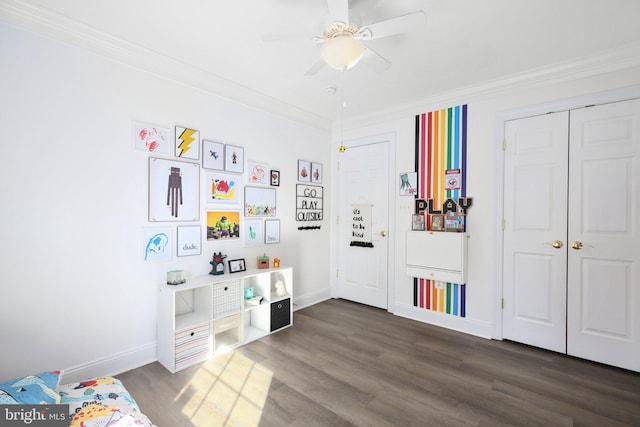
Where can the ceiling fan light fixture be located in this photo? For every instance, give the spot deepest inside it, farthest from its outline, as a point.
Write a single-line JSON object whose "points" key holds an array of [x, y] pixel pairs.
{"points": [[342, 52]]}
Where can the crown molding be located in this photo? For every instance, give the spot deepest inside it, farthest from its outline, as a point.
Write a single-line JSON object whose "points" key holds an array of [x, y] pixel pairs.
{"points": [[622, 58], [61, 28]]}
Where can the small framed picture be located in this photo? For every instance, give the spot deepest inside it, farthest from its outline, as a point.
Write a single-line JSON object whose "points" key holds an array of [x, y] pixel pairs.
{"points": [[212, 155], [189, 240], [437, 222], [275, 177], [316, 172], [271, 231], [187, 143], [237, 265], [417, 223], [304, 175], [233, 158], [257, 173]]}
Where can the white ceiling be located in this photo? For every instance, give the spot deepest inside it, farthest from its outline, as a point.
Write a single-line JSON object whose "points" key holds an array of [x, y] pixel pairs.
{"points": [[217, 46]]}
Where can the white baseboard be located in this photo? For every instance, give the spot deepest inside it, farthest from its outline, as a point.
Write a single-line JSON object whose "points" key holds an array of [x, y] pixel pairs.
{"points": [[302, 301], [111, 365], [460, 324]]}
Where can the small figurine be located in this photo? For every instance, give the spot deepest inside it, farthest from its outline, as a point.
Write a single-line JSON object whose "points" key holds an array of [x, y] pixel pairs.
{"points": [[217, 264], [276, 263]]}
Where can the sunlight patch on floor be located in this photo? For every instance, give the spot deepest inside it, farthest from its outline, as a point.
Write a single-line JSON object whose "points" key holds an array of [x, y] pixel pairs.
{"points": [[229, 389]]}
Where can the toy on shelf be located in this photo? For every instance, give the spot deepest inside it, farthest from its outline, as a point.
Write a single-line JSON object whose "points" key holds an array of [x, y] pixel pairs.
{"points": [[263, 261], [217, 264], [276, 263]]}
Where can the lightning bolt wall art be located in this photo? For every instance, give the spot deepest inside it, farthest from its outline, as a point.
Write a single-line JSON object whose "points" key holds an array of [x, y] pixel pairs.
{"points": [[187, 143]]}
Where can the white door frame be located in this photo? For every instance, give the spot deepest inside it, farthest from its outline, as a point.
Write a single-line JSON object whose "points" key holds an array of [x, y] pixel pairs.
{"points": [[335, 185], [605, 97]]}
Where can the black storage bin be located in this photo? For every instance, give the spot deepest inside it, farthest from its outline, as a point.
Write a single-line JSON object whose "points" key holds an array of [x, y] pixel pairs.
{"points": [[280, 314]]}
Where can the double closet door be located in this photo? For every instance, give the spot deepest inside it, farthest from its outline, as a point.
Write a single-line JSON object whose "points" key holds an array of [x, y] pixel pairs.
{"points": [[571, 273]]}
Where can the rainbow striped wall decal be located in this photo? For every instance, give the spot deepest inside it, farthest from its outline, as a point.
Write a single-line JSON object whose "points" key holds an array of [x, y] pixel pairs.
{"points": [[441, 145]]}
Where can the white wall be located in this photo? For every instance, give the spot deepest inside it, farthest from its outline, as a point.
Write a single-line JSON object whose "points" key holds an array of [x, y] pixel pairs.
{"points": [[75, 293], [486, 108]]}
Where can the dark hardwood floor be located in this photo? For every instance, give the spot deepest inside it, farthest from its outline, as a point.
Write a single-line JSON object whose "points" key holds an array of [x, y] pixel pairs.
{"points": [[344, 364]]}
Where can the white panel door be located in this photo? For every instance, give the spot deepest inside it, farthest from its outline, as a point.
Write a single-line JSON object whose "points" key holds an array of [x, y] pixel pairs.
{"points": [[364, 180], [604, 234], [535, 229]]}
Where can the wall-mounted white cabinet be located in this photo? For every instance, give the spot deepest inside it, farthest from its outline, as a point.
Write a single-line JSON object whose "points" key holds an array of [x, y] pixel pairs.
{"points": [[209, 314], [439, 256]]}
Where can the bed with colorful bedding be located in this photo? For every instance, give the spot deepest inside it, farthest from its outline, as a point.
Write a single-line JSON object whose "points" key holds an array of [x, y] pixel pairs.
{"points": [[96, 402]]}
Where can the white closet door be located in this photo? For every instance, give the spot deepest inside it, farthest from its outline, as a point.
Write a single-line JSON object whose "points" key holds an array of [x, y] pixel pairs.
{"points": [[535, 214], [604, 212]]}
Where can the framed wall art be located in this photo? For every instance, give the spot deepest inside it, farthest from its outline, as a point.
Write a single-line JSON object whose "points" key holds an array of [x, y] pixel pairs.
{"points": [[189, 240], [316, 172], [223, 225], [304, 174], [233, 159], [151, 138], [187, 143], [156, 244], [252, 232], [213, 155], [259, 201], [174, 192], [257, 173], [271, 231], [222, 187], [409, 184], [275, 177]]}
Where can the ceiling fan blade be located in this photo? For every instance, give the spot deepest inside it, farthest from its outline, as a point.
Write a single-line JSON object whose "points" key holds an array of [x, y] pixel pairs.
{"points": [[317, 66], [339, 10], [399, 24], [375, 61]]}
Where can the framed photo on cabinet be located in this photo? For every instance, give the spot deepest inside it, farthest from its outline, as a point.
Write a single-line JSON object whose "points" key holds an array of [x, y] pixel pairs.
{"points": [[437, 222]]}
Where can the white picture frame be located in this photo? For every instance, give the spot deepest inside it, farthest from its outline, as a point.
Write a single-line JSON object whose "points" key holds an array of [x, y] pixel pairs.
{"points": [[233, 158], [156, 244], [174, 190], [271, 231], [189, 238], [257, 173], [252, 232], [151, 138], [304, 168], [187, 143], [316, 173], [212, 155]]}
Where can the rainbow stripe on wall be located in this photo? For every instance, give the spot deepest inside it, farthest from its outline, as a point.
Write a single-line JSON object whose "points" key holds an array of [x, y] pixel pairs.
{"points": [[441, 144]]}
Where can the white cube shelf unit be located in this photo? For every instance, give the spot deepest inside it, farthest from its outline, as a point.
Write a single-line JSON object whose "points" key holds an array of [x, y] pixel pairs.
{"points": [[208, 314]]}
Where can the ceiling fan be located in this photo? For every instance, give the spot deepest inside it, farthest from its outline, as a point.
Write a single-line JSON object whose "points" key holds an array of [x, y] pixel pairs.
{"points": [[344, 42]]}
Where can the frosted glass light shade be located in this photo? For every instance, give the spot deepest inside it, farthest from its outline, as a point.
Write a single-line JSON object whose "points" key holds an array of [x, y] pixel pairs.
{"points": [[342, 52]]}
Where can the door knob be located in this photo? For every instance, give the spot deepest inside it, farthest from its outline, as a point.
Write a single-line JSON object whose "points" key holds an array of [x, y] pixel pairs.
{"points": [[576, 245], [383, 233], [556, 244]]}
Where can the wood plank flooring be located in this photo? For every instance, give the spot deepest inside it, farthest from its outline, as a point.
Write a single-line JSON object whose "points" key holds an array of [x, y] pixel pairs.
{"points": [[344, 364]]}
